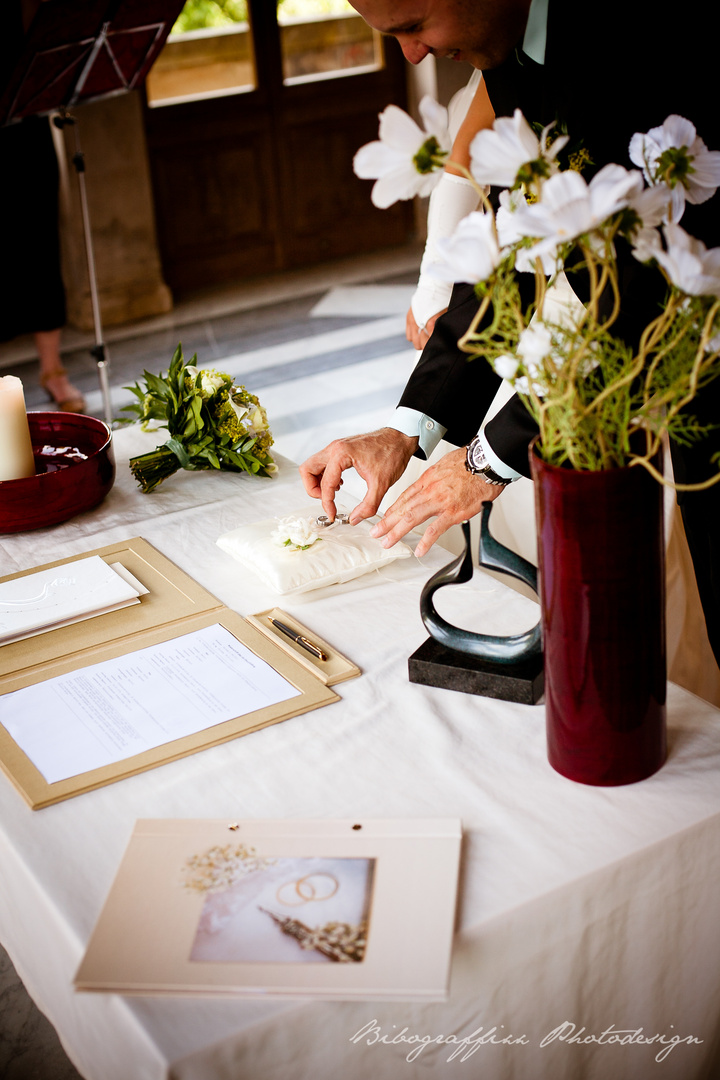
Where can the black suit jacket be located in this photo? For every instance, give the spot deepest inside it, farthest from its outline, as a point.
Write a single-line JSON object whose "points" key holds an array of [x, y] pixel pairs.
{"points": [[624, 73]]}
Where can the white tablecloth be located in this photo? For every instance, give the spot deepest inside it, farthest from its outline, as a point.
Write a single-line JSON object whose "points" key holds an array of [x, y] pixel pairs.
{"points": [[578, 905]]}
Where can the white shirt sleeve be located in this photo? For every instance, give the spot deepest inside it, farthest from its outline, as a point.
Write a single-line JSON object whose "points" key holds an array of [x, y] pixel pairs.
{"points": [[496, 463], [410, 422]]}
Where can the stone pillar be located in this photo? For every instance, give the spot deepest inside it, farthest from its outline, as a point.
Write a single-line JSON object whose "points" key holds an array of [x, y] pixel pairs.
{"points": [[117, 177]]}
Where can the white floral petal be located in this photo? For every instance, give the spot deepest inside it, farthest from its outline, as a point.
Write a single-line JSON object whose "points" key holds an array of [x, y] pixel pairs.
{"points": [[435, 120], [677, 203], [518, 130], [610, 190], [636, 150], [563, 188], [498, 153], [393, 186], [651, 204], [677, 131], [471, 253], [704, 180], [400, 131], [526, 259], [688, 263], [706, 166], [556, 146], [696, 194], [376, 158], [646, 243], [427, 182]]}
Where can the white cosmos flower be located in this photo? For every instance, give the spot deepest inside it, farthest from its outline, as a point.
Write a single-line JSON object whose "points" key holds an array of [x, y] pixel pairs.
{"points": [[505, 219], [510, 233], [652, 205], [691, 267], [405, 160], [570, 207], [471, 253], [646, 243], [675, 153], [511, 147]]}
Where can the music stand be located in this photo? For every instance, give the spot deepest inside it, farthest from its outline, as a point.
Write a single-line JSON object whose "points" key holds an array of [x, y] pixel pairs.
{"points": [[73, 53]]}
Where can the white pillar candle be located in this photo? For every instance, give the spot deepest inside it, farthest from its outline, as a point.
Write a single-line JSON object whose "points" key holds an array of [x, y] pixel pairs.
{"points": [[16, 455]]}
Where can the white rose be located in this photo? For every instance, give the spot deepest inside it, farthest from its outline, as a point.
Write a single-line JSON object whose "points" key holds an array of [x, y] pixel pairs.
{"points": [[210, 384], [295, 532]]}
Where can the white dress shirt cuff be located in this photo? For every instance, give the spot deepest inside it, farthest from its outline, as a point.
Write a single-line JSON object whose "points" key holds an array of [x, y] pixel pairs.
{"points": [[410, 422], [497, 464]]}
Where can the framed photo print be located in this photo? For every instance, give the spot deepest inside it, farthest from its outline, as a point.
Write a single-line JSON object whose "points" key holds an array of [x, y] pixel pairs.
{"points": [[337, 909]]}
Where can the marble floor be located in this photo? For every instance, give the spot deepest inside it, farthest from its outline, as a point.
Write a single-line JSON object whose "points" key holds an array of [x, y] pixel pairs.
{"points": [[325, 351]]}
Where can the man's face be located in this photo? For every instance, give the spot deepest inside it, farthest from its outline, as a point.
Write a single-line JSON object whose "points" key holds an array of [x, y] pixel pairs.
{"points": [[478, 32]]}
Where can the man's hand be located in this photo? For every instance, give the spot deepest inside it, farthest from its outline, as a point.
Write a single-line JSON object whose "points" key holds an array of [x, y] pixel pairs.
{"points": [[417, 337], [446, 491], [379, 457]]}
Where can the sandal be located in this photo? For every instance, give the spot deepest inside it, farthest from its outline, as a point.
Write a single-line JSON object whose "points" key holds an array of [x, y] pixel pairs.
{"points": [[72, 402]]}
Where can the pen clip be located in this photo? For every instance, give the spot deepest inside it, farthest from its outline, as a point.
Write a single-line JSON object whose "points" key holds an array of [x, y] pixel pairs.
{"points": [[312, 647]]}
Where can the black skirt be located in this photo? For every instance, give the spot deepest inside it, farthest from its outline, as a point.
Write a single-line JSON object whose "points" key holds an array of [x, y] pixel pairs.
{"points": [[32, 296]]}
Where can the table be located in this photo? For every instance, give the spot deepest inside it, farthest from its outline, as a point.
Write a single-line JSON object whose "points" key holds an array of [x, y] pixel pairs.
{"points": [[577, 905]]}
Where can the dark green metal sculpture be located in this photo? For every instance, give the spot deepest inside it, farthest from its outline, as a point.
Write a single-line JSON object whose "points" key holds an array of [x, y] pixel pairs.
{"points": [[494, 556]]}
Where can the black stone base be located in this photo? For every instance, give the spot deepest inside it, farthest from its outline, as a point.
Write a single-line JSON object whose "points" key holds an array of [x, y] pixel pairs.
{"points": [[434, 665]]}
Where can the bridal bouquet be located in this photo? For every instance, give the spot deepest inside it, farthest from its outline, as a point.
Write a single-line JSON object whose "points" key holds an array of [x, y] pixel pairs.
{"points": [[589, 390], [213, 424]]}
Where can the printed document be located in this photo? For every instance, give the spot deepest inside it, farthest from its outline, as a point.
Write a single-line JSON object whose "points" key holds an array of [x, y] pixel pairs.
{"points": [[113, 710]]}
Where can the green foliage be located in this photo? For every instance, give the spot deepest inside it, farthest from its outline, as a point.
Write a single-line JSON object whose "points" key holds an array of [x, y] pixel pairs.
{"points": [[591, 394], [205, 14], [202, 14], [212, 423]]}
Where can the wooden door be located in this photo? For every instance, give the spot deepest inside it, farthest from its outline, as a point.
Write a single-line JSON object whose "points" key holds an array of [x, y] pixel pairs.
{"points": [[259, 180]]}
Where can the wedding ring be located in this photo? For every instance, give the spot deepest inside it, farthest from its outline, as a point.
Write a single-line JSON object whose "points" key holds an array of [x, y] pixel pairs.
{"points": [[282, 894], [308, 882], [323, 521], [307, 889]]}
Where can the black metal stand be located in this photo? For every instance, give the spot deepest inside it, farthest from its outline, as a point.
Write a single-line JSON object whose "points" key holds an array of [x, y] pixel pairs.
{"points": [[62, 120]]}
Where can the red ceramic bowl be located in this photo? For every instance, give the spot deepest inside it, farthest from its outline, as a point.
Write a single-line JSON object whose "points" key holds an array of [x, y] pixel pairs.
{"points": [[75, 469]]}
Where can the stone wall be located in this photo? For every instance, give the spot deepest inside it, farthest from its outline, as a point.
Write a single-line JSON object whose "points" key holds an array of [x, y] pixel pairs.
{"points": [[122, 216]]}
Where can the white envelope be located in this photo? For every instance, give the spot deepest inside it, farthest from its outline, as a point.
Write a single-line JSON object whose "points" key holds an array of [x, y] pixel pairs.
{"points": [[51, 598]]}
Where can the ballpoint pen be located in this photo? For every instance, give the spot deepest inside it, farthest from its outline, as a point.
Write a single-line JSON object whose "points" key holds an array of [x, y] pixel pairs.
{"points": [[306, 644]]}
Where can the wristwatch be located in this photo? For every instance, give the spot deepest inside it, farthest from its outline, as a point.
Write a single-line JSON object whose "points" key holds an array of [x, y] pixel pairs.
{"points": [[477, 463]]}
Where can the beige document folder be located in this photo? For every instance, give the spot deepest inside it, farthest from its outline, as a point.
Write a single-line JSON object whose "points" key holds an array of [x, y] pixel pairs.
{"points": [[174, 605]]}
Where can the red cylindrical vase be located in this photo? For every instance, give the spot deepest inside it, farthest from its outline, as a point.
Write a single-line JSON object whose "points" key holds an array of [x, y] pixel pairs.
{"points": [[602, 592]]}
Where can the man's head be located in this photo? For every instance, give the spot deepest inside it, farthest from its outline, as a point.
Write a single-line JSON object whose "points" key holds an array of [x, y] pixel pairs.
{"points": [[479, 32]]}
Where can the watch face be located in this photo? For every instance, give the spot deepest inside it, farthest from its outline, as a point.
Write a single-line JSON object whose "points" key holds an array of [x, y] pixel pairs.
{"points": [[477, 462], [477, 455]]}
